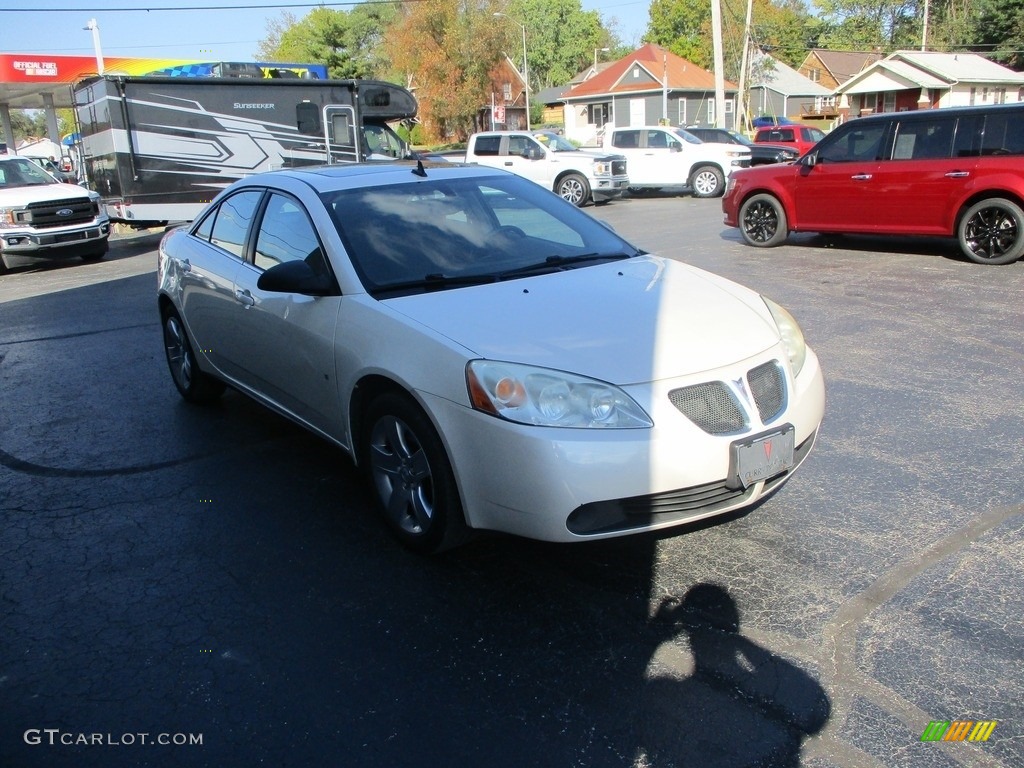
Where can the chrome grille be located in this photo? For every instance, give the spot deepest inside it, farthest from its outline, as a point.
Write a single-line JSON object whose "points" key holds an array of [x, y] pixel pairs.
{"points": [[768, 388], [711, 406]]}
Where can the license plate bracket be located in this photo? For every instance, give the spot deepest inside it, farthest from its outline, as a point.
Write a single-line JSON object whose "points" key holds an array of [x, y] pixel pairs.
{"points": [[761, 457]]}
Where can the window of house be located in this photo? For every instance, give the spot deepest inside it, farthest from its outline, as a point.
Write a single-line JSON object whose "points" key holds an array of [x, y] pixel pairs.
{"points": [[506, 91]]}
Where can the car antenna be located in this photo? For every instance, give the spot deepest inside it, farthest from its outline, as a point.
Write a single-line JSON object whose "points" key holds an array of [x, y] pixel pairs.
{"points": [[419, 170]]}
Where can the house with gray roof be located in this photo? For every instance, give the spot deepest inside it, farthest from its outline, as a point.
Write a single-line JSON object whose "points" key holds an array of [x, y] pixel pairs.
{"points": [[776, 89], [907, 80]]}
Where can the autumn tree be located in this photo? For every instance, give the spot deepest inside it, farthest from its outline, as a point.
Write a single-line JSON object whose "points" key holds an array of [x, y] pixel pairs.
{"points": [[348, 43], [446, 50]]}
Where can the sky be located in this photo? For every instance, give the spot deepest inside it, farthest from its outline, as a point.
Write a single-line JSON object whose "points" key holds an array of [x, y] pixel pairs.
{"points": [[220, 30]]}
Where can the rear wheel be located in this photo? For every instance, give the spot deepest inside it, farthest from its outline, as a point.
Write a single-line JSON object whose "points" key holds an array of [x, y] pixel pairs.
{"points": [[707, 181], [763, 221], [574, 188], [992, 232], [194, 385], [413, 482]]}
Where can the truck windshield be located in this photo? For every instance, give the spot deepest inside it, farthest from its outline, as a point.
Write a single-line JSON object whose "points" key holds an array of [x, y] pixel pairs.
{"points": [[554, 142], [381, 143], [23, 173]]}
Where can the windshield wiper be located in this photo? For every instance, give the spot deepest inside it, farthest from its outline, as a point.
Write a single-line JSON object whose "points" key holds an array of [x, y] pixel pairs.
{"points": [[557, 263], [435, 281]]}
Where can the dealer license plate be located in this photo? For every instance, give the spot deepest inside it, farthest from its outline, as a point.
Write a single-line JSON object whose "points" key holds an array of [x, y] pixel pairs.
{"points": [[761, 457]]}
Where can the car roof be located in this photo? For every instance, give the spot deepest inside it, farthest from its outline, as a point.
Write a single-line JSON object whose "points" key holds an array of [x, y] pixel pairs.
{"points": [[928, 114], [349, 175]]}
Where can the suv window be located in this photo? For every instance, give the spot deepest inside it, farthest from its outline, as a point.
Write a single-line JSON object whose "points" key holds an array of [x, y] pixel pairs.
{"points": [[858, 144], [923, 140], [626, 139], [990, 135]]}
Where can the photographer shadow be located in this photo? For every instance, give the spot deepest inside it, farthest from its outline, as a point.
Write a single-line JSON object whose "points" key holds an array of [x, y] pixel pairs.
{"points": [[741, 705]]}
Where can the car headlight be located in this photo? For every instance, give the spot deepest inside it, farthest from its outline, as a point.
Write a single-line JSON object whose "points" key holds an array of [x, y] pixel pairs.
{"points": [[736, 153], [792, 336], [6, 218], [603, 169], [549, 398]]}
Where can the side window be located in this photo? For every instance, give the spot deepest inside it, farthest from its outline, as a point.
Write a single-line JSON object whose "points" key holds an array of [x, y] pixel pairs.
{"points": [[858, 144], [487, 145], [205, 227], [967, 142], [1004, 134], [626, 139], [923, 140], [234, 215], [657, 139], [286, 234], [307, 118], [517, 145]]}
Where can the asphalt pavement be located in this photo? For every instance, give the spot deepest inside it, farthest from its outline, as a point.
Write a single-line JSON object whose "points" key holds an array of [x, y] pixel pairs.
{"points": [[184, 586]]}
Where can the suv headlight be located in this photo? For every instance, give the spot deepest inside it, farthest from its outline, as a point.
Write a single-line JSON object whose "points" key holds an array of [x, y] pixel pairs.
{"points": [[6, 218], [602, 168], [792, 336], [545, 397]]}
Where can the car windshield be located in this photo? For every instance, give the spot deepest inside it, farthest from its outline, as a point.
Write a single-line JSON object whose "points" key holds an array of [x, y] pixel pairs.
{"points": [[23, 173], [435, 234], [687, 136], [741, 139], [814, 134], [554, 142]]}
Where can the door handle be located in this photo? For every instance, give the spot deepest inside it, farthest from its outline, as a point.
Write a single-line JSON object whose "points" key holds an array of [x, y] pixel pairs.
{"points": [[958, 174], [244, 297], [861, 177], [508, 163]]}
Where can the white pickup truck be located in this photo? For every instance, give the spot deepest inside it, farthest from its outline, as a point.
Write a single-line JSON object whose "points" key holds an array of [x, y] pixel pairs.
{"points": [[43, 218], [579, 176], [662, 156]]}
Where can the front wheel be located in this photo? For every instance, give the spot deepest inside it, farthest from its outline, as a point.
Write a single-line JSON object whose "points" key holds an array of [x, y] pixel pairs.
{"points": [[193, 385], [763, 221], [414, 486], [574, 188], [707, 181], [992, 232]]}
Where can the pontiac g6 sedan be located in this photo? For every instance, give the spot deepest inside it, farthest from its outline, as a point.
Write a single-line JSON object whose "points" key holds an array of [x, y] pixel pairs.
{"points": [[489, 356]]}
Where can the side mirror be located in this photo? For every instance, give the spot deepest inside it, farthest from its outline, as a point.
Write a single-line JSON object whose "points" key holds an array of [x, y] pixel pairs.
{"points": [[810, 159], [673, 147], [295, 277], [533, 153]]}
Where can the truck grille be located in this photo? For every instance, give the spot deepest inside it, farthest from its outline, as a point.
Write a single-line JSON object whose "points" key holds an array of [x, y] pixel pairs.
{"points": [[58, 213], [619, 167], [714, 407]]}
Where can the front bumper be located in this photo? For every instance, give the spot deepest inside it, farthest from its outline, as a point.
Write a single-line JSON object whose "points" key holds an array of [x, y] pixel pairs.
{"points": [[605, 188], [58, 243], [567, 485]]}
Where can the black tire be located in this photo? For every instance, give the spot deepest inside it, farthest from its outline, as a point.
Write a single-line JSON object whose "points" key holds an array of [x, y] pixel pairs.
{"points": [[707, 181], [411, 477], [193, 385], [574, 188], [992, 231], [763, 221]]}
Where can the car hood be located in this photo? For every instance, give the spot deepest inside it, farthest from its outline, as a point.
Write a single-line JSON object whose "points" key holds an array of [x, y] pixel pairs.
{"points": [[624, 322], [41, 193]]}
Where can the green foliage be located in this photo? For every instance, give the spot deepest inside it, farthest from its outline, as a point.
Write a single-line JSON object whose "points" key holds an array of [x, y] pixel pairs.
{"points": [[999, 30], [347, 42], [865, 25], [415, 136], [560, 39]]}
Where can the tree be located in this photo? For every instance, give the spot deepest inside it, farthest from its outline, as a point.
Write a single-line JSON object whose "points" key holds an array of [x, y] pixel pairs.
{"points": [[348, 43], [561, 38], [446, 50], [783, 28], [864, 25], [999, 31]]}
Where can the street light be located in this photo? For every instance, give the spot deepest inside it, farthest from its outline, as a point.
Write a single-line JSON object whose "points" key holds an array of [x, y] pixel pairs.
{"points": [[526, 69], [92, 25], [602, 50]]}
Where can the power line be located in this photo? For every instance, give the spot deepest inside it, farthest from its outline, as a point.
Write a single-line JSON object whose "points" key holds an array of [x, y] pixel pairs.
{"points": [[251, 7]]}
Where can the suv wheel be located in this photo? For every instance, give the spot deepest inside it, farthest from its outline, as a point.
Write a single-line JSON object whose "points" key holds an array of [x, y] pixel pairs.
{"points": [[992, 231], [707, 181], [763, 221]]}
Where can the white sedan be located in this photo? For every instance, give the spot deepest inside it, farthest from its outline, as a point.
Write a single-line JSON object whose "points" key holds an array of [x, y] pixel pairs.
{"points": [[490, 356]]}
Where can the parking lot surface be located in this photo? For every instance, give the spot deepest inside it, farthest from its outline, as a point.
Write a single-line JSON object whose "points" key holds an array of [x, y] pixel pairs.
{"points": [[210, 586]]}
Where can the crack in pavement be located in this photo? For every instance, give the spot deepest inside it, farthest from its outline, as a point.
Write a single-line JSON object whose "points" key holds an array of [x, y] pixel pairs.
{"points": [[840, 641]]}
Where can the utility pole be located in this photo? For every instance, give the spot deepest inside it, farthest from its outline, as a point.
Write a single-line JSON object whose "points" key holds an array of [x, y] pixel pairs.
{"points": [[716, 40]]}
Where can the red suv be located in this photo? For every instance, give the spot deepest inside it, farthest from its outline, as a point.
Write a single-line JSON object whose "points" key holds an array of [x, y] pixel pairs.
{"points": [[952, 172], [800, 137]]}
